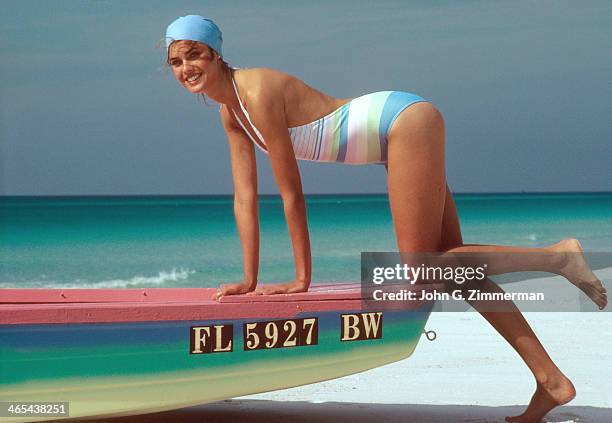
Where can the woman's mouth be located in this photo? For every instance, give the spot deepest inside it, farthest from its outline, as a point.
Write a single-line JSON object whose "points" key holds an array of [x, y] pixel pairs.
{"points": [[193, 79]]}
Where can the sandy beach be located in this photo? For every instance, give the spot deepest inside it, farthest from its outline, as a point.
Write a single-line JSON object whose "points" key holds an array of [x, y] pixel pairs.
{"points": [[468, 374]]}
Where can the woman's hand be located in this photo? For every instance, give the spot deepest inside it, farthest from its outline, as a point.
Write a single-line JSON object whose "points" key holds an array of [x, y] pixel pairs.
{"points": [[284, 288], [232, 289]]}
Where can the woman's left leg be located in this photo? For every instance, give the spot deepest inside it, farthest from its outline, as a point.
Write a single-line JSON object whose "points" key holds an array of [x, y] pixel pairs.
{"points": [[511, 325], [417, 195]]}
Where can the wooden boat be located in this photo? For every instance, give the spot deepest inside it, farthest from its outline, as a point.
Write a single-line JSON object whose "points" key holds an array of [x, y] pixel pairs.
{"points": [[117, 352]]}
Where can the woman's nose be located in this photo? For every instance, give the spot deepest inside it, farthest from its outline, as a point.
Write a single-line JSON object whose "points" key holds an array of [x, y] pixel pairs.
{"points": [[186, 68]]}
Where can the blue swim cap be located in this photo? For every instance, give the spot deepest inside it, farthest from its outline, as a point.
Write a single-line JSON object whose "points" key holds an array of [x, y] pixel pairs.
{"points": [[195, 28]]}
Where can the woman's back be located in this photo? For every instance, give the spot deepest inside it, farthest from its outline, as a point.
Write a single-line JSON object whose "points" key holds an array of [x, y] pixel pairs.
{"points": [[303, 103]]}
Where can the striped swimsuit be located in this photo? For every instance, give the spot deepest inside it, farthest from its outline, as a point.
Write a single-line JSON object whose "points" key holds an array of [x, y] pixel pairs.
{"points": [[355, 133]]}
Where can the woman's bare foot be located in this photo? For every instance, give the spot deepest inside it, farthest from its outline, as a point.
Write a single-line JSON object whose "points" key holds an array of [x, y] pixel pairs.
{"points": [[546, 397], [577, 271]]}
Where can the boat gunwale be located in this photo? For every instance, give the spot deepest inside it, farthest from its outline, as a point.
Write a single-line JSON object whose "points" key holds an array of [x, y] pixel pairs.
{"points": [[47, 306]]}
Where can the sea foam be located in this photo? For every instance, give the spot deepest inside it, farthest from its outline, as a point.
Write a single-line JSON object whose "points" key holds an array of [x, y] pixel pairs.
{"points": [[162, 277]]}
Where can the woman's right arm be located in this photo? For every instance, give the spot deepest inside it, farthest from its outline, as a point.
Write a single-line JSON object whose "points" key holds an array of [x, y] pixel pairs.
{"points": [[244, 175]]}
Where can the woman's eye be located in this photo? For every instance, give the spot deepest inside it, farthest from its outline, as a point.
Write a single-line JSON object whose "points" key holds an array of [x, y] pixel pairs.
{"points": [[194, 55]]}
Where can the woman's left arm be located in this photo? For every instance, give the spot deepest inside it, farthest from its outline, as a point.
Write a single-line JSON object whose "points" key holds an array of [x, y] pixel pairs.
{"points": [[269, 117]]}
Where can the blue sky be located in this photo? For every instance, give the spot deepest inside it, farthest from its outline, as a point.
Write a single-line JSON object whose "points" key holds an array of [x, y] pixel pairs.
{"points": [[87, 108]]}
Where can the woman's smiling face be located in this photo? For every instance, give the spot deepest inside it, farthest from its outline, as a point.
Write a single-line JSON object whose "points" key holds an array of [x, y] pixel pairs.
{"points": [[192, 64]]}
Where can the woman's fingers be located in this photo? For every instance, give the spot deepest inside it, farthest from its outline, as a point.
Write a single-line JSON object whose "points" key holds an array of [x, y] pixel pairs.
{"points": [[262, 290], [233, 289], [285, 288], [220, 292], [230, 289]]}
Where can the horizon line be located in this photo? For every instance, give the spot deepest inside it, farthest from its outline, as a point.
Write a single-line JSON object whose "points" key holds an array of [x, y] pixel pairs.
{"points": [[306, 194]]}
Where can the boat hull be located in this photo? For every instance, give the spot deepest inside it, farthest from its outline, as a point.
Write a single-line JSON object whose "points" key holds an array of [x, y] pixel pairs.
{"points": [[126, 367]]}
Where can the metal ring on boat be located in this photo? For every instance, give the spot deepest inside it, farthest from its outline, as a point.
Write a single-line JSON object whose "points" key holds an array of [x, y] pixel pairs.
{"points": [[430, 335]]}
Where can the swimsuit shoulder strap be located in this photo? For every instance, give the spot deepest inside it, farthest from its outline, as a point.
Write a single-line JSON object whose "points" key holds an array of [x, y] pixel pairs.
{"points": [[260, 143]]}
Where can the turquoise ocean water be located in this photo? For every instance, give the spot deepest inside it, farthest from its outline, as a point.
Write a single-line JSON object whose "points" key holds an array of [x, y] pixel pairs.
{"points": [[134, 242]]}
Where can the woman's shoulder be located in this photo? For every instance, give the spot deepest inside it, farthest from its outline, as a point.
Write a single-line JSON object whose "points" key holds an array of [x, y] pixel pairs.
{"points": [[264, 81], [254, 75]]}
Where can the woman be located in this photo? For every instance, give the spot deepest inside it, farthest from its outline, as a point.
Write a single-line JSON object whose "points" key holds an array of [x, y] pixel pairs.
{"points": [[288, 119]]}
